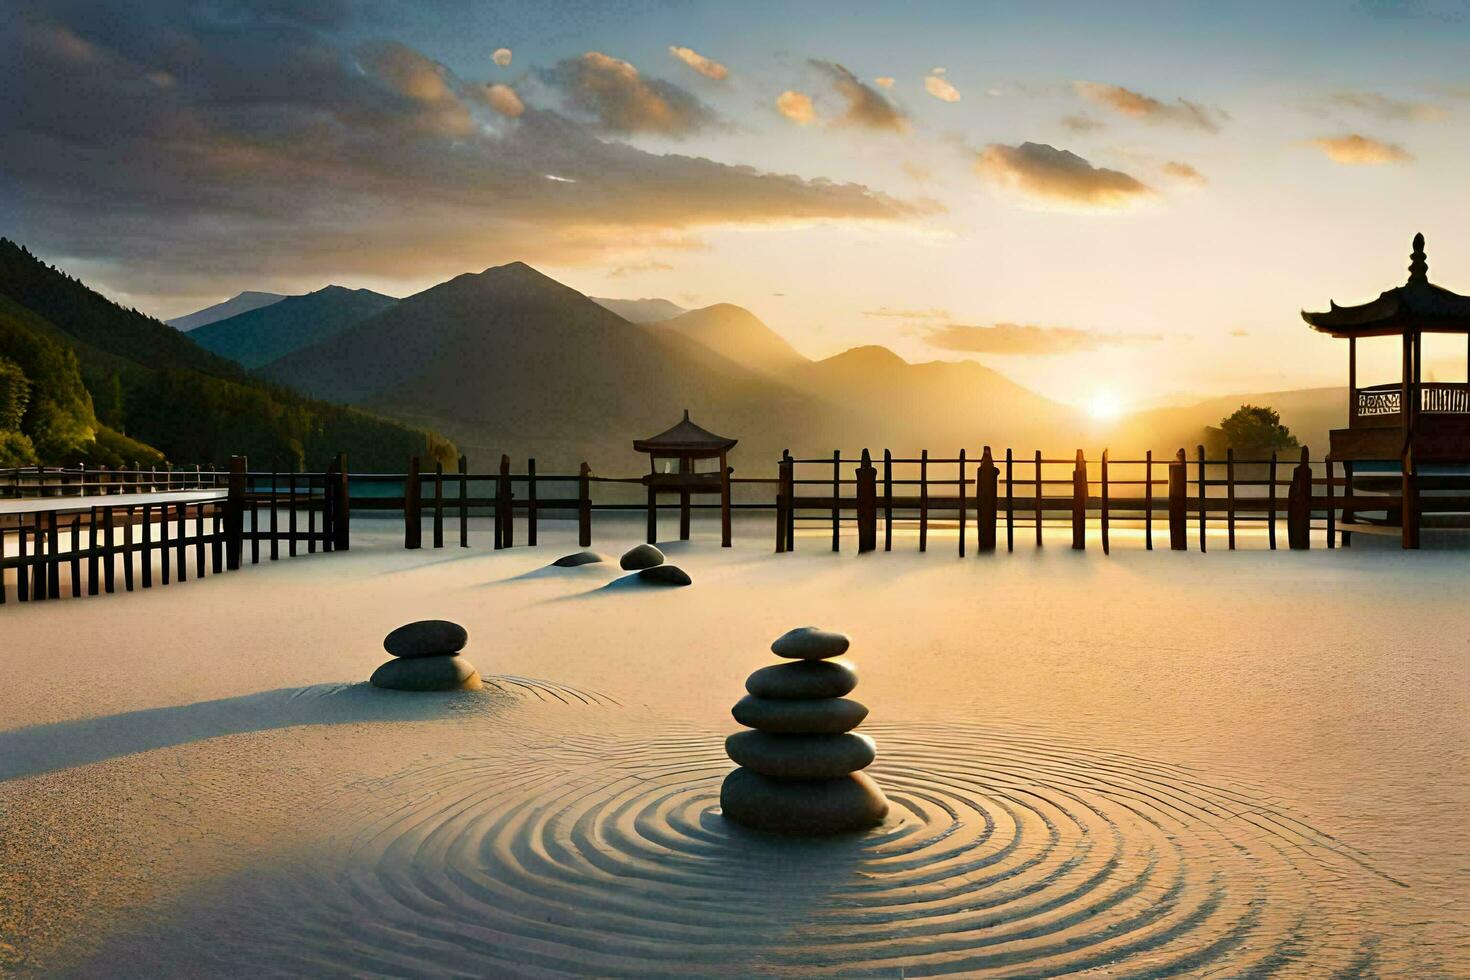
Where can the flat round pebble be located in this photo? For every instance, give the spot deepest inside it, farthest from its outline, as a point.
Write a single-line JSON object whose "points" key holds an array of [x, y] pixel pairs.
{"points": [[427, 674], [810, 643], [643, 556], [578, 559], [803, 679], [834, 806], [787, 716], [801, 756], [426, 638], [665, 575]]}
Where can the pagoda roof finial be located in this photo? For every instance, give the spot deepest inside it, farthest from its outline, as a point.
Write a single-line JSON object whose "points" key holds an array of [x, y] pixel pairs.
{"points": [[1418, 261]]}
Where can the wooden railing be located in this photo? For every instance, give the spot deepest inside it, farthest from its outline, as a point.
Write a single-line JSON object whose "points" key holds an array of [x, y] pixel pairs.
{"points": [[1435, 398]]}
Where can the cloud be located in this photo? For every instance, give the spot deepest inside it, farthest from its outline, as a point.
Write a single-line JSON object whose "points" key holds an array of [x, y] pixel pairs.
{"points": [[1387, 108], [1021, 339], [1043, 172], [501, 57], [1355, 149], [287, 153], [1240, 333], [504, 100], [1082, 123], [705, 66], [1127, 102], [884, 81], [623, 100], [796, 107], [931, 314], [633, 268], [865, 106], [1184, 172], [939, 87]]}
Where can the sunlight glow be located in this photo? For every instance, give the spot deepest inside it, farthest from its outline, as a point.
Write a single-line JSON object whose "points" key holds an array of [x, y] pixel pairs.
{"points": [[1105, 405]]}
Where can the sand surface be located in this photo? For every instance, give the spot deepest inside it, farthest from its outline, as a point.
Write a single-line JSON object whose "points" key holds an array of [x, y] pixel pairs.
{"points": [[1146, 764]]}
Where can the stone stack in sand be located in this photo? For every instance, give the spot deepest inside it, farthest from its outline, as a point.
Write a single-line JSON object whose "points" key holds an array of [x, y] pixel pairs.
{"points": [[800, 766], [426, 658]]}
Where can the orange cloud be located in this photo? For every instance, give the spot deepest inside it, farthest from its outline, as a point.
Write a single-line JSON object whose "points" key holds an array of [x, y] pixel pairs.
{"points": [[796, 107], [1355, 149], [705, 66], [1044, 173], [1127, 102]]}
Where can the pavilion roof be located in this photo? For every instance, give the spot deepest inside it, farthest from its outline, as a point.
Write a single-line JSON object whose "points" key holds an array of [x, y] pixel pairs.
{"points": [[685, 437], [1417, 305]]}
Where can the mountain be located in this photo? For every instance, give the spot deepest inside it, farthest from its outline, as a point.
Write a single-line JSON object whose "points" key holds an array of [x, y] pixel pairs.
{"points": [[640, 310], [233, 306], [1310, 413], [937, 405], [509, 360], [262, 335], [735, 333], [153, 383]]}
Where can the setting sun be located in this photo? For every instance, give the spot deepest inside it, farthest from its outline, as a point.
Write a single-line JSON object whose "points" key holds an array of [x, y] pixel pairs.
{"points": [[1105, 405]]}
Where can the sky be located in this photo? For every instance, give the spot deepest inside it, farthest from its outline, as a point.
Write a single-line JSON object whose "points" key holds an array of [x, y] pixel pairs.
{"points": [[1119, 203]]}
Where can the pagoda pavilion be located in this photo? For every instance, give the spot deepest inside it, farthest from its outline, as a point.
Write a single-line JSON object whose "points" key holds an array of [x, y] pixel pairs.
{"points": [[686, 460]]}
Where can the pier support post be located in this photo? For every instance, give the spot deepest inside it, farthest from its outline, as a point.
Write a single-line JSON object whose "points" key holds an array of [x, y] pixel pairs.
{"points": [[1299, 506], [1178, 530], [1410, 522], [413, 532], [1079, 503], [867, 505], [342, 508], [584, 507], [505, 511], [986, 479], [784, 486]]}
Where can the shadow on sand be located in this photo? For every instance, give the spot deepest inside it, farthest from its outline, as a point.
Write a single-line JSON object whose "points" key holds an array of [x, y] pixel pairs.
{"points": [[62, 745]]}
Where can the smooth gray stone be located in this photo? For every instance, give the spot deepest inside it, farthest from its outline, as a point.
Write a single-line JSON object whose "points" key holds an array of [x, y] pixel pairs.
{"points": [[801, 756], [803, 679], [643, 556], [580, 558], [665, 575], [832, 806], [789, 716], [427, 674], [426, 638], [809, 643]]}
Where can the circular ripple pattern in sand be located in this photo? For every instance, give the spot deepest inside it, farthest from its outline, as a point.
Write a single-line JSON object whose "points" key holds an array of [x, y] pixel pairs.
{"points": [[1004, 853]]}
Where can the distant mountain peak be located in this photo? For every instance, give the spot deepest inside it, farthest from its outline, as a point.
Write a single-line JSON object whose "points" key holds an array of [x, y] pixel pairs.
{"points": [[738, 335], [239, 303], [649, 309]]}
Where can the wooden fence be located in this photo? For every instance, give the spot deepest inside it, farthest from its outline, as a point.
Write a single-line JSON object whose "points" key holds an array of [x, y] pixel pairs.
{"points": [[149, 525], [1003, 495]]}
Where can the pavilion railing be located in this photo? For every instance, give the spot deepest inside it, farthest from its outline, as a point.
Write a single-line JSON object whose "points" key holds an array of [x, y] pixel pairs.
{"points": [[1435, 398]]}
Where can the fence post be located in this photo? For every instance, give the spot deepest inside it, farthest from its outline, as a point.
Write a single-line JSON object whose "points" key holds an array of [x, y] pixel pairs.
{"points": [[1410, 520], [505, 506], [464, 501], [964, 481], [413, 532], [531, 509], [342, 508], [1299, 506], [1040, 516], [234, 514], [584, 506], [783, 501], [1347, 502], [985, 487], [92, 557], [836, 498], [1331, 507], [1177, 532], [923, 500], [1079, 503], [109, 570], [1271, 500], [1148, 500], [1230, 495], [1010, 504], [1203, 501], [1104, 512], [76, 551], [867, 505], [438, 503]]}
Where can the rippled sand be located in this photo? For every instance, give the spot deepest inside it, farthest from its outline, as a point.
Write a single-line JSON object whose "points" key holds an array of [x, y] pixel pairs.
{"points": [[1145, 765]]}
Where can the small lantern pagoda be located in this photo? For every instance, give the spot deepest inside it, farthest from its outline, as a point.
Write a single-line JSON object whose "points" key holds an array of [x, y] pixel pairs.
{"points": [[687, 460], [1408, 421]]}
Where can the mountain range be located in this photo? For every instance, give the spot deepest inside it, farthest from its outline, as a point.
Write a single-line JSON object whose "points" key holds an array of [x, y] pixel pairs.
{"points": [[240, 303], [85, 380], [261, 335]]}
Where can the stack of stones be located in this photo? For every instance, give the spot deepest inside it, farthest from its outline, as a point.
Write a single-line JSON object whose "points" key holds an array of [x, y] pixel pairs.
{"points": [[651, 567], [800, 767], [426, 658]]}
